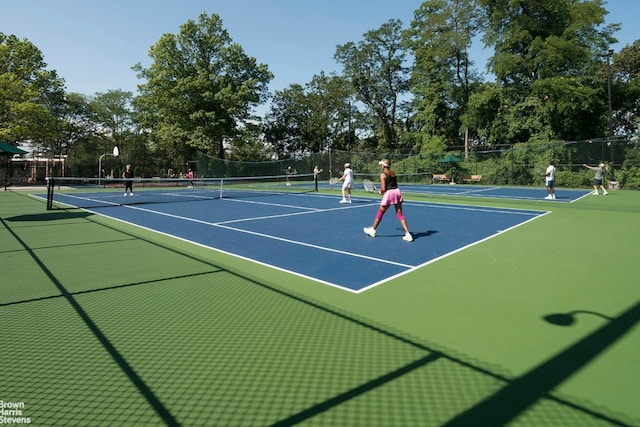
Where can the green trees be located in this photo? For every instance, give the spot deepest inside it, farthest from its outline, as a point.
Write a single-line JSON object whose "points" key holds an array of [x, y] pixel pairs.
{"points": [[29, 93], [200, 87], [625, 70], [443, 76], [547, 54], [312, 118], [377, 71]]}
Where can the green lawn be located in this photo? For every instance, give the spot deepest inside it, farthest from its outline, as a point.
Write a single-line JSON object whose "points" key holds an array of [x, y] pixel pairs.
{"points": [[108, 324]]}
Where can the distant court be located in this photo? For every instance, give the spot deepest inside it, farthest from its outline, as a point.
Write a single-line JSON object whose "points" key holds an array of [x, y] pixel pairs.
{"points": [[498, 192]]}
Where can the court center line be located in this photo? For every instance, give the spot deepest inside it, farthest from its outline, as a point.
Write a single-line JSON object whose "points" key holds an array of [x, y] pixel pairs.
{"points": [[270, 204], [344, 206], [231, 221]]}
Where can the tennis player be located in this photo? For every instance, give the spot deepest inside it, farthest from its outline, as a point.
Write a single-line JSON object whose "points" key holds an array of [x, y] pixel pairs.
{"points": [[316, 173], [597, 180], [128, 180], [289, 172], [347, 177], [190, 178], [549, 180], [391, 195]]}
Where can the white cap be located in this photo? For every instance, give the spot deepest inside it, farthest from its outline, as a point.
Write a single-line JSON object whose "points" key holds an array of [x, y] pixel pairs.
{"points": [[383, 163], [347, 165]]}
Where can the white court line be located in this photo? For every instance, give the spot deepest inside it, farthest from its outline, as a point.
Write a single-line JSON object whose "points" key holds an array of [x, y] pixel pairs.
{"points": [[270, 204], [308, 211], [73, 196], [479, 190]]}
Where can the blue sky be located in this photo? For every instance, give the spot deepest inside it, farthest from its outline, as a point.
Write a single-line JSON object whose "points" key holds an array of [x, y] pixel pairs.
{"points": [[94, 44]]}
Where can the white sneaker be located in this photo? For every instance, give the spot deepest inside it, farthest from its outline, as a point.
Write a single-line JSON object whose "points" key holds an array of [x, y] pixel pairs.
{"points": [[605, 193], [343, 201], [369, 231], [131, 194], [548, 197], [125, 194], [407, 237], [595, 193], [553, 196]]}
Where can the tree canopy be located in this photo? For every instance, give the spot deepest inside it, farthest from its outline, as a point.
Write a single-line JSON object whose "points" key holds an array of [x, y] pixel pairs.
{"points": [[29, 93], [376, 68], [200, 87]]}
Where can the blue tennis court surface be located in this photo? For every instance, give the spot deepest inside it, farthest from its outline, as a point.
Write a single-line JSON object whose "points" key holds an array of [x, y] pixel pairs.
{"points": [[313, 236], [566, 195]]}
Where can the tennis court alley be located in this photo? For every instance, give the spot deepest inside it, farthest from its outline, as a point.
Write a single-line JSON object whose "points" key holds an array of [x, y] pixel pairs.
{"points": [[274, 309]]}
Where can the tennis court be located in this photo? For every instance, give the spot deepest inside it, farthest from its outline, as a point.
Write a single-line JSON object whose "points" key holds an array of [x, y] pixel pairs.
{"points": [[179, 313], [307, 234]]}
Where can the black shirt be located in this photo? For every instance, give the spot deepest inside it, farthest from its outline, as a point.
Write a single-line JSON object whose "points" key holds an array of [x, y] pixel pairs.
{"points": [[392, 182]]}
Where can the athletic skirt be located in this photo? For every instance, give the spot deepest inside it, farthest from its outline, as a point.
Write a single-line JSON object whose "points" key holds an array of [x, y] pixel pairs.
{"points": [[391, 197]]}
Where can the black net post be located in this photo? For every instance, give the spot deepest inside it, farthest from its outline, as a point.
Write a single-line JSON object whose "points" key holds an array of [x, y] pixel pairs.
{"points": [[50, 193]]}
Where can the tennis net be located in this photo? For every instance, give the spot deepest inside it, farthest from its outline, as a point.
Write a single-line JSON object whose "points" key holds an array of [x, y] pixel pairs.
{"points": [[102, 192]]}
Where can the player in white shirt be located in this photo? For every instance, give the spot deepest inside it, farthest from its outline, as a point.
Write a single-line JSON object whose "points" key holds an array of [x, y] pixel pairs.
{"points": [[550, 176], [347, 177]]}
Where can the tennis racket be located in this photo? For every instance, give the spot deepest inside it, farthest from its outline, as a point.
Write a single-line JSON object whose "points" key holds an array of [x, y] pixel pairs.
{"points": [[333, 181], [368, 185]]}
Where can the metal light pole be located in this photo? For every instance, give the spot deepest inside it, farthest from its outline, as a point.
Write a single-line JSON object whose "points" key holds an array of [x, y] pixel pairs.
{"points": [[610, 121], [349, 127]]}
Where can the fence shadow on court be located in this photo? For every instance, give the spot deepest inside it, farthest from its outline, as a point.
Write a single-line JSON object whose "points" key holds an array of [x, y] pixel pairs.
{"points": [[212, 344]]}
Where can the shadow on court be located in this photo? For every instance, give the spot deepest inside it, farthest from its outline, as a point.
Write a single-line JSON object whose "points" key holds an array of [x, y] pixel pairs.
{"points": [[51, 216], [221, 347]]}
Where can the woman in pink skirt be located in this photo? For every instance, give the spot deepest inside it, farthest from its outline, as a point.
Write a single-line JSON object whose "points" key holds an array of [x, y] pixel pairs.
{"points": [[391, 195]]}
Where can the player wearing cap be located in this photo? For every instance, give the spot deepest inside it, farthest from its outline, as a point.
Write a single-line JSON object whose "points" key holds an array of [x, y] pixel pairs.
{"points": [[391, 195], [347, 177]]}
